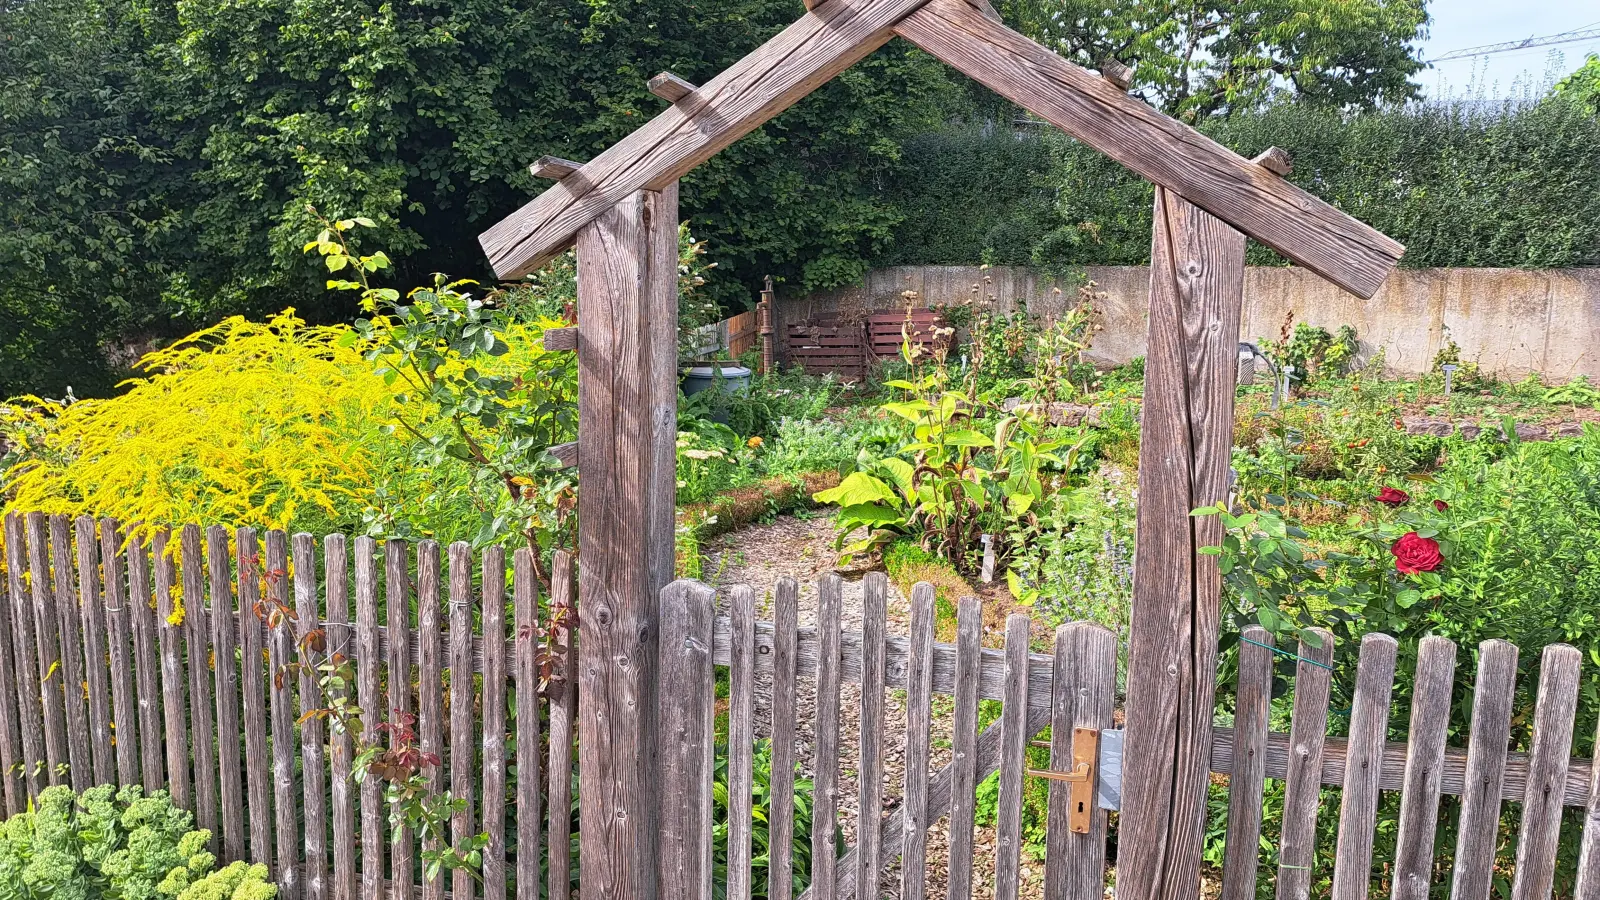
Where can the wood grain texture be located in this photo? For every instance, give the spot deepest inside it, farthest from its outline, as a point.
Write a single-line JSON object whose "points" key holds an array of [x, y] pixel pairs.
{"points": [[47, 660], [313, 731], [397, 610], [430, 694], [69, 649], [1477, 834], [1196, 290], [687, 697], [174, 733], [1358, 808], [492, 609], [741, 739], [25, 657], [1082, 696], [281, 715], [1587, 886], [963, 741], [825, 761], [555, 339], [670, 87], [253, 691], [345, 877], [1302, 770], [463, 752], [525, 668], [627, 436], [563, 722], [869, 769], [819, 45], [1171, 155], [553, 167], [1424, 771], [11, 764], [202, 708], [1013, 762], [919, 720], [225, 675], [96, 680], [780, 843], [1247, 781], [1547, 773], [120, 652], [369, 697]]}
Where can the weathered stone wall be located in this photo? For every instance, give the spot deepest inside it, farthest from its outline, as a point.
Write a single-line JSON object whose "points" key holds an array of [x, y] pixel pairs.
{"points": [[1510, 321]]}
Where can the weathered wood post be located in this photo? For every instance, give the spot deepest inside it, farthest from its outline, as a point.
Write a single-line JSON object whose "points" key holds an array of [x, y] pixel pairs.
{"points": [[627, 429], [1196, 291]]}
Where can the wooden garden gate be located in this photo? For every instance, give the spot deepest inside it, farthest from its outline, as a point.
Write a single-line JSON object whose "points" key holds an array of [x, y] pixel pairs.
{"points": [[620, 209]]}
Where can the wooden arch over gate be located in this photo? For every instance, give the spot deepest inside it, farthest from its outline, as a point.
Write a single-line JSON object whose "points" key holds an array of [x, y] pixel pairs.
{"points": [[621, 211]]}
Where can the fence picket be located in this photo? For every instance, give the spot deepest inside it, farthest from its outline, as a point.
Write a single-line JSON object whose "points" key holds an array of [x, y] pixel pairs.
{"points": [[1242, 847], [336, 569], [22, 782], [142, 616], [964, 730], [1419, 799], [369, 699], [69, 621], [174, 684], [91, 610], [47, 650], [919, 719], [1013, 761], [253, 691], [1369, 725], [1082, 695], [525, 667], [224, 639], [313, 733], [493, 612], [197, 646], [1478, 832], [825, 780], [563, 716], [1553, 716], [124, 705], [280, 652], [462, 753], [785, 620], [1302, 788], [430, 685], [741, 738], [396, 583], [869, 770], [687, 698]]}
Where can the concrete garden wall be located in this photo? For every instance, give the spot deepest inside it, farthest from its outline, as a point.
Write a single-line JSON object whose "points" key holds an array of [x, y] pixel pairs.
{"points": [[1510, 321]]}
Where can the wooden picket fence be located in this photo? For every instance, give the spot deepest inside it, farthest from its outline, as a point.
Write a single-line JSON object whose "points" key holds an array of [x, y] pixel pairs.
{"points": [[163, 663], [1073, 690], [166, 662]]}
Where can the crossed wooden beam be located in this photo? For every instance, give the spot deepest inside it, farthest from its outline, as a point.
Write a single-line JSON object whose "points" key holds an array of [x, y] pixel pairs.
{"points": [[830, 38]]}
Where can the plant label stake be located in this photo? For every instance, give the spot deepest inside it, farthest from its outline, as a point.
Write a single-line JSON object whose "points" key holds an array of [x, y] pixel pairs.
{"points": [[1449, 373], [988, 558]]}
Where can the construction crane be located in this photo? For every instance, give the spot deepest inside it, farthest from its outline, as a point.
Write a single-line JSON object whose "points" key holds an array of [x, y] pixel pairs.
{"points": [[1566, 37]]}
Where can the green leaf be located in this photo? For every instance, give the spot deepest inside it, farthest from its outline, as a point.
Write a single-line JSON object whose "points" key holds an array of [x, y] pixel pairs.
{"points": [[857, 488], [910, 410], [337, 261]]}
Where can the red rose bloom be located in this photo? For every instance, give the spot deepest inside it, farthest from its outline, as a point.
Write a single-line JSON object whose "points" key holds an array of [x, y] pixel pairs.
{"points": [[1392, 496], [1440, 505], [1413, 554]]}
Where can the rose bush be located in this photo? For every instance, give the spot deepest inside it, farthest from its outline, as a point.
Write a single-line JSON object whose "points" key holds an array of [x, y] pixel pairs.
{"points": [[1414, 554]]}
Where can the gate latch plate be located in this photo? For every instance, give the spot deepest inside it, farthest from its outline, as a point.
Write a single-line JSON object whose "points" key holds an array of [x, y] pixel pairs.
{"points": [[1081, 780]]}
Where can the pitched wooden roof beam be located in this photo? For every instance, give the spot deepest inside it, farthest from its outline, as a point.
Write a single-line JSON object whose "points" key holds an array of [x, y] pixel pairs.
{"points": [[1256, 201], [837, 33], [819, 45]]}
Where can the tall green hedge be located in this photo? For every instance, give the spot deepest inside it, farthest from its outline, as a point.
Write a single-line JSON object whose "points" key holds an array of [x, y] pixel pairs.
{"points": [[1515, 185]]}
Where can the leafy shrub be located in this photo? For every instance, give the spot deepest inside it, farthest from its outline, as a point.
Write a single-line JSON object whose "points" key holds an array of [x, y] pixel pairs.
{"points": [[712, 459], [110, 843], [273, 423], [906, 564], [804, 445], [1075, 560]]}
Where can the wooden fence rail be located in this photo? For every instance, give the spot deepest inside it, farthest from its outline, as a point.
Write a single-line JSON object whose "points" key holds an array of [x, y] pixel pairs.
{"points": [[189, 662]]}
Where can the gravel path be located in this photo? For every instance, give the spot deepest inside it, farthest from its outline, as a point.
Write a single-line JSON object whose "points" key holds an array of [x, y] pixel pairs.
{"points": [[803, 548]]}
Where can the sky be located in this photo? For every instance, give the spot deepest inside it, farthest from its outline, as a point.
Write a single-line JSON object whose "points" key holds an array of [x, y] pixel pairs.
{"points": [[1459, 24]]}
